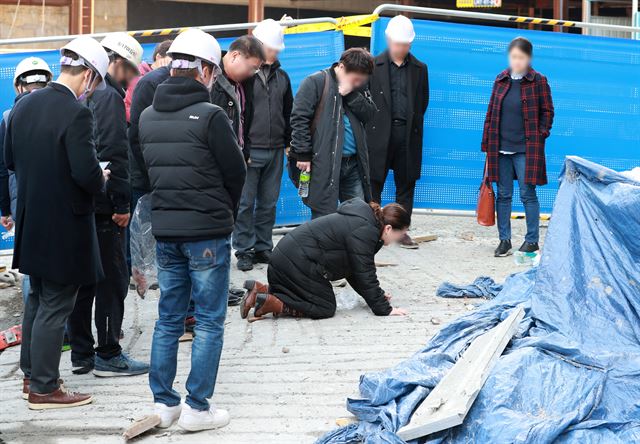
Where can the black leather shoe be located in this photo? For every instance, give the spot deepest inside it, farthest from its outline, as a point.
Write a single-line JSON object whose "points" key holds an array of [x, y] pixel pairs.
{"points": [[235, 296], [245, 262], [262, 257], [504, 249], [529, 247]]}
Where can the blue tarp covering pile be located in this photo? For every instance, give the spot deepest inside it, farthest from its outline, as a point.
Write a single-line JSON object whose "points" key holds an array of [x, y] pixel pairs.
{"points": [[572, 373]]}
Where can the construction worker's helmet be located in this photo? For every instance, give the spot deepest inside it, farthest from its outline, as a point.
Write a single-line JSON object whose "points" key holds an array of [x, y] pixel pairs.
{"points": [[122, 44], [400, 30], [270, 33], [32, 70], [196, 43], [90, 54]]}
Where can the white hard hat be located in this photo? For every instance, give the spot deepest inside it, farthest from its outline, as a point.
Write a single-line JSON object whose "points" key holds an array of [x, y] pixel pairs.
{"points": [[400, 30], [91, 54], [270, 33], [31, 64], [197, 43], [125, 46]]}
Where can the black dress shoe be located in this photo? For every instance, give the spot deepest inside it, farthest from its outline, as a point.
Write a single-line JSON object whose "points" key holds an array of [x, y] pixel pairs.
{"points": [[262, 257], [245, 262], [235, 296], [529, 247], [504, 249]]}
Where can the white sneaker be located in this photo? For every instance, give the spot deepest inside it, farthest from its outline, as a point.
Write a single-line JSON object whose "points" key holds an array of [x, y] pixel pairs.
{"points": [[168, 415], [194, 420]]}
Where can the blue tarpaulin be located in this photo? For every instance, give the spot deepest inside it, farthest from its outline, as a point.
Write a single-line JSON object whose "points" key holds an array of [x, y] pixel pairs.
{"points": [[482, 287], [572, 373]]}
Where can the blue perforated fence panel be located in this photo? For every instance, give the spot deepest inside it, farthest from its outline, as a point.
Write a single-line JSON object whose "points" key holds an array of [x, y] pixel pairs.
{"points": [[595, 83], [303, 55]]}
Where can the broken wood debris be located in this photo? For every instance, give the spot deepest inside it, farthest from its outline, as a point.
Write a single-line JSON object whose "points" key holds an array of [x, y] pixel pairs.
{"points": [[449, 402], [425, 238], [141, 426]]}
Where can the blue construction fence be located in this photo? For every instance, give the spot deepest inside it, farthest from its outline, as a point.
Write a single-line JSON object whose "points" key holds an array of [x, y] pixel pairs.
{"points": [[303, 55], [595, 83]]}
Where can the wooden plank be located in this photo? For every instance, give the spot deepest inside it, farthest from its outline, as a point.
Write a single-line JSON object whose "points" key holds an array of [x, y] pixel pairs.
{"points": [[140, 426], [386, 264], [425, 238], [450, 401]]}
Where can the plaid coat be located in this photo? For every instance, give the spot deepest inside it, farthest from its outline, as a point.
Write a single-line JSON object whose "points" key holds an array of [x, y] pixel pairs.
{"points": [[537, 111]]}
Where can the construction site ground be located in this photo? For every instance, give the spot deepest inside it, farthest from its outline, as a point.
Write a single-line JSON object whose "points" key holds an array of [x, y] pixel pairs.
{"points": [[283, 381]]}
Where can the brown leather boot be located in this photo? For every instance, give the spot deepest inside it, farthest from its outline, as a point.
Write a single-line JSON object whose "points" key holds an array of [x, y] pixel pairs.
{"points": [[57, 400], [25, 387], [249, 299], [267, 303]]}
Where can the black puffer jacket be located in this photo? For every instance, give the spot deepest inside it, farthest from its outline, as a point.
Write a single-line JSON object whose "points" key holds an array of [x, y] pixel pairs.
{"points": [[141, 100], [195, 165], [337, 246]]}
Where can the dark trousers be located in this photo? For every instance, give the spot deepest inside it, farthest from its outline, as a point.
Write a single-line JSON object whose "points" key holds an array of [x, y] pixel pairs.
{"points": [[310, 294], [397, 160], [109, 295], [48, 308], [257, 210]]}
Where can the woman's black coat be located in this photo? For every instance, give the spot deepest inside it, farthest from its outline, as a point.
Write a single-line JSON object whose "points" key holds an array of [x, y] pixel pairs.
{"points": [[337, 246]]}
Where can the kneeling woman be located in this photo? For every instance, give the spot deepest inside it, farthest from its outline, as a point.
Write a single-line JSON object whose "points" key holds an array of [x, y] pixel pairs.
{"points": [[337, 246]]}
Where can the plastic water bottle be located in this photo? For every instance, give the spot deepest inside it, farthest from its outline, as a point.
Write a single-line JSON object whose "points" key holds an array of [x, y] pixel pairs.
{"points": [[303, 188], [528, 259]]}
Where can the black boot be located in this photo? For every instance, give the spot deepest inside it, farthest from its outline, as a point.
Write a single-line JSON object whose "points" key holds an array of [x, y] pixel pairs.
{"points": [[245, 262], [529, 247], [504, 249]]}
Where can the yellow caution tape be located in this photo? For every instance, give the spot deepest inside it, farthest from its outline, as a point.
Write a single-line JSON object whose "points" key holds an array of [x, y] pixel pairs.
{"points": [[358, 31], [311, 27], [350, 25]]}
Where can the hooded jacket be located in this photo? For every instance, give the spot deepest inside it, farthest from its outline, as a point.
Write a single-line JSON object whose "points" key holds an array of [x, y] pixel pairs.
{"points": [[195, 166], [337, 246], [323, 147], [112, 146]]}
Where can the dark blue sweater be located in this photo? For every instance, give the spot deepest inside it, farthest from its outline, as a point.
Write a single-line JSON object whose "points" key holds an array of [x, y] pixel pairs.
{"points": [[512, 137]]}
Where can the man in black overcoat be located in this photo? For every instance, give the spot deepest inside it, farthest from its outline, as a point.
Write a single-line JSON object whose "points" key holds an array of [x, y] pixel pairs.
{"points": [[400, 89], [49, 145]]}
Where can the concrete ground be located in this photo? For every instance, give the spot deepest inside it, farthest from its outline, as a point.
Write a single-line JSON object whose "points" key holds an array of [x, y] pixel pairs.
{"points": [[283, 381]]}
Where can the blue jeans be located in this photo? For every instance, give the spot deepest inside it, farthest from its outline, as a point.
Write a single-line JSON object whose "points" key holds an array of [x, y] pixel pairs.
{"points": [[350, 183], [197, 271], [350, 180], [512, 167]]}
